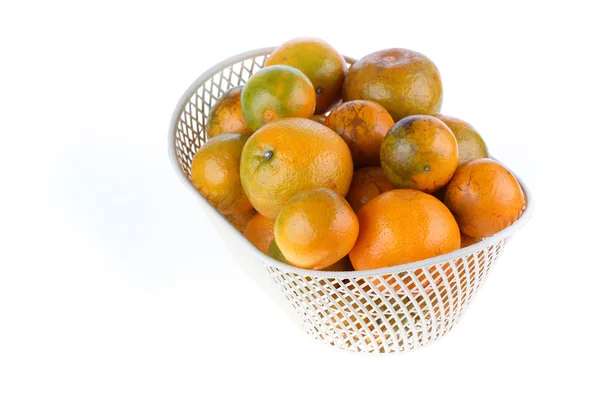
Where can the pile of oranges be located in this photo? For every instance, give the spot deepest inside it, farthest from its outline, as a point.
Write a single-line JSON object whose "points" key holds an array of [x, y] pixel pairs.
{"points": [[327, 167]]}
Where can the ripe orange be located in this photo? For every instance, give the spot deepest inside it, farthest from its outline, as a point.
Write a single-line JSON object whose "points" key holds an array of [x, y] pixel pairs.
{"points": [[466, 241], [363, 125], [321, 63], [216, 173], [403, 81], [367, 183], [277, 92], [485, 197], [225, 116], [315, 229], [419, 152], [240, 220], [402, 226], [470, 144], [342, 265], [290, 156], [259, 231]]}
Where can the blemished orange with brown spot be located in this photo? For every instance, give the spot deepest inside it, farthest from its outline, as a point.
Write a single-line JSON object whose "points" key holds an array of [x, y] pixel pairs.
{"points": [[290, 156], [315, 229], [225, 116], [216, 173], [419, 152], [485, 197], [363, 125], [402, 226], [367, 183], [259, 232], [470, 144], [240, 220]]}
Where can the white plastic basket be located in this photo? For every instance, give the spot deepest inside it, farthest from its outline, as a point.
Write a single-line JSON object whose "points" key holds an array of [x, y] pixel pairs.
{"points": [[379, 311]]}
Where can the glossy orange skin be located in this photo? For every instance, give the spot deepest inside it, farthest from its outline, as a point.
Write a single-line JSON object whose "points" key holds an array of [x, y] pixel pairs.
{"points": [[367, 183], [403, 81], [419, 152], [315, 229], [470, 144], [402, 226], [259, 232], [321, 63], [240, 220], [216, 173], [342, 265], [277, 92], [363, 125], [485, 198], [290, 156], [225, 116]]}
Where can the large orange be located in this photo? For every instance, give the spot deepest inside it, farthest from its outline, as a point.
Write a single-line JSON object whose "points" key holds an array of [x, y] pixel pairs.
{"points": [[363, 125], [402, 226], [259, 232], [485, 197], [470, 144], [277, 92], [367, 183], [321, 63], [289, 156], [225, 116], [403, 81], [419, 152], [315, 229], [216, 173]]}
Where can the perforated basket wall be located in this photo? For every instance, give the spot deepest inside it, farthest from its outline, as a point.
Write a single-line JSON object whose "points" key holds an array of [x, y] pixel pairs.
{"points": [[382, 311]]}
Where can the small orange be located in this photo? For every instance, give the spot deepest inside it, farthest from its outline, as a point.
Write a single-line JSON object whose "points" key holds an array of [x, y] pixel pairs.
{"points": [[289, 156], [225, 116], [342, 265], [259, 231], [485, 197], [321, 63], [367, 183], [240, 220], [216, 173], [316, 229], [274, 93], [363, 125], [470, 144], [419, 152]]}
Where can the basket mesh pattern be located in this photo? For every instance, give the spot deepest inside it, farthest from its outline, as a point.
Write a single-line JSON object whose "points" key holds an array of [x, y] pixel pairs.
{"points": [[382, 313]]}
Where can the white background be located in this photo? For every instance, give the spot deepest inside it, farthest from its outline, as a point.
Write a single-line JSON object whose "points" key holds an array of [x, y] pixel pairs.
{"points": [[114, 286]]}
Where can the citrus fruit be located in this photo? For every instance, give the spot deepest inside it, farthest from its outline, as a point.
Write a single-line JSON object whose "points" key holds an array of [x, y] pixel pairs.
{"points": [[402, 226], [216, 173], [322, 65], [367, 183], [485, 197], [225, 116], [240, 220], [274, 93], [403, 81], [466, 241], [315, 229], [259, 232], [290, 156], [320, 118], [419, 152], [470, 144], [341, 265], [363, 125]]}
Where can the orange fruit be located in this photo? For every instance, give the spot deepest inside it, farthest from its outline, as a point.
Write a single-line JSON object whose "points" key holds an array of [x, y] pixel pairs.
{"points": [[274, 93], [419, 152], [290, 156], [402, 226], [341, 265], [470, 144], [216, 173], [485, 197], [466, 241], [240, 220], [225, 116], [321, 63], [259, 232], [367, 183], [319, 118], [403, 81], [363, 125], [315, 229]]}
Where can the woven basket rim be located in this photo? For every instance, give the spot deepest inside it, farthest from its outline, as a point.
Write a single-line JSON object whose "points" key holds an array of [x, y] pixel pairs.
{"points": [[207, 75]]}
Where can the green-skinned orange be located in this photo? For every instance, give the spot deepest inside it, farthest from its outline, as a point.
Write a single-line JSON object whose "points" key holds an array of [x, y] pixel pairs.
{"points": [[470, 144]]}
